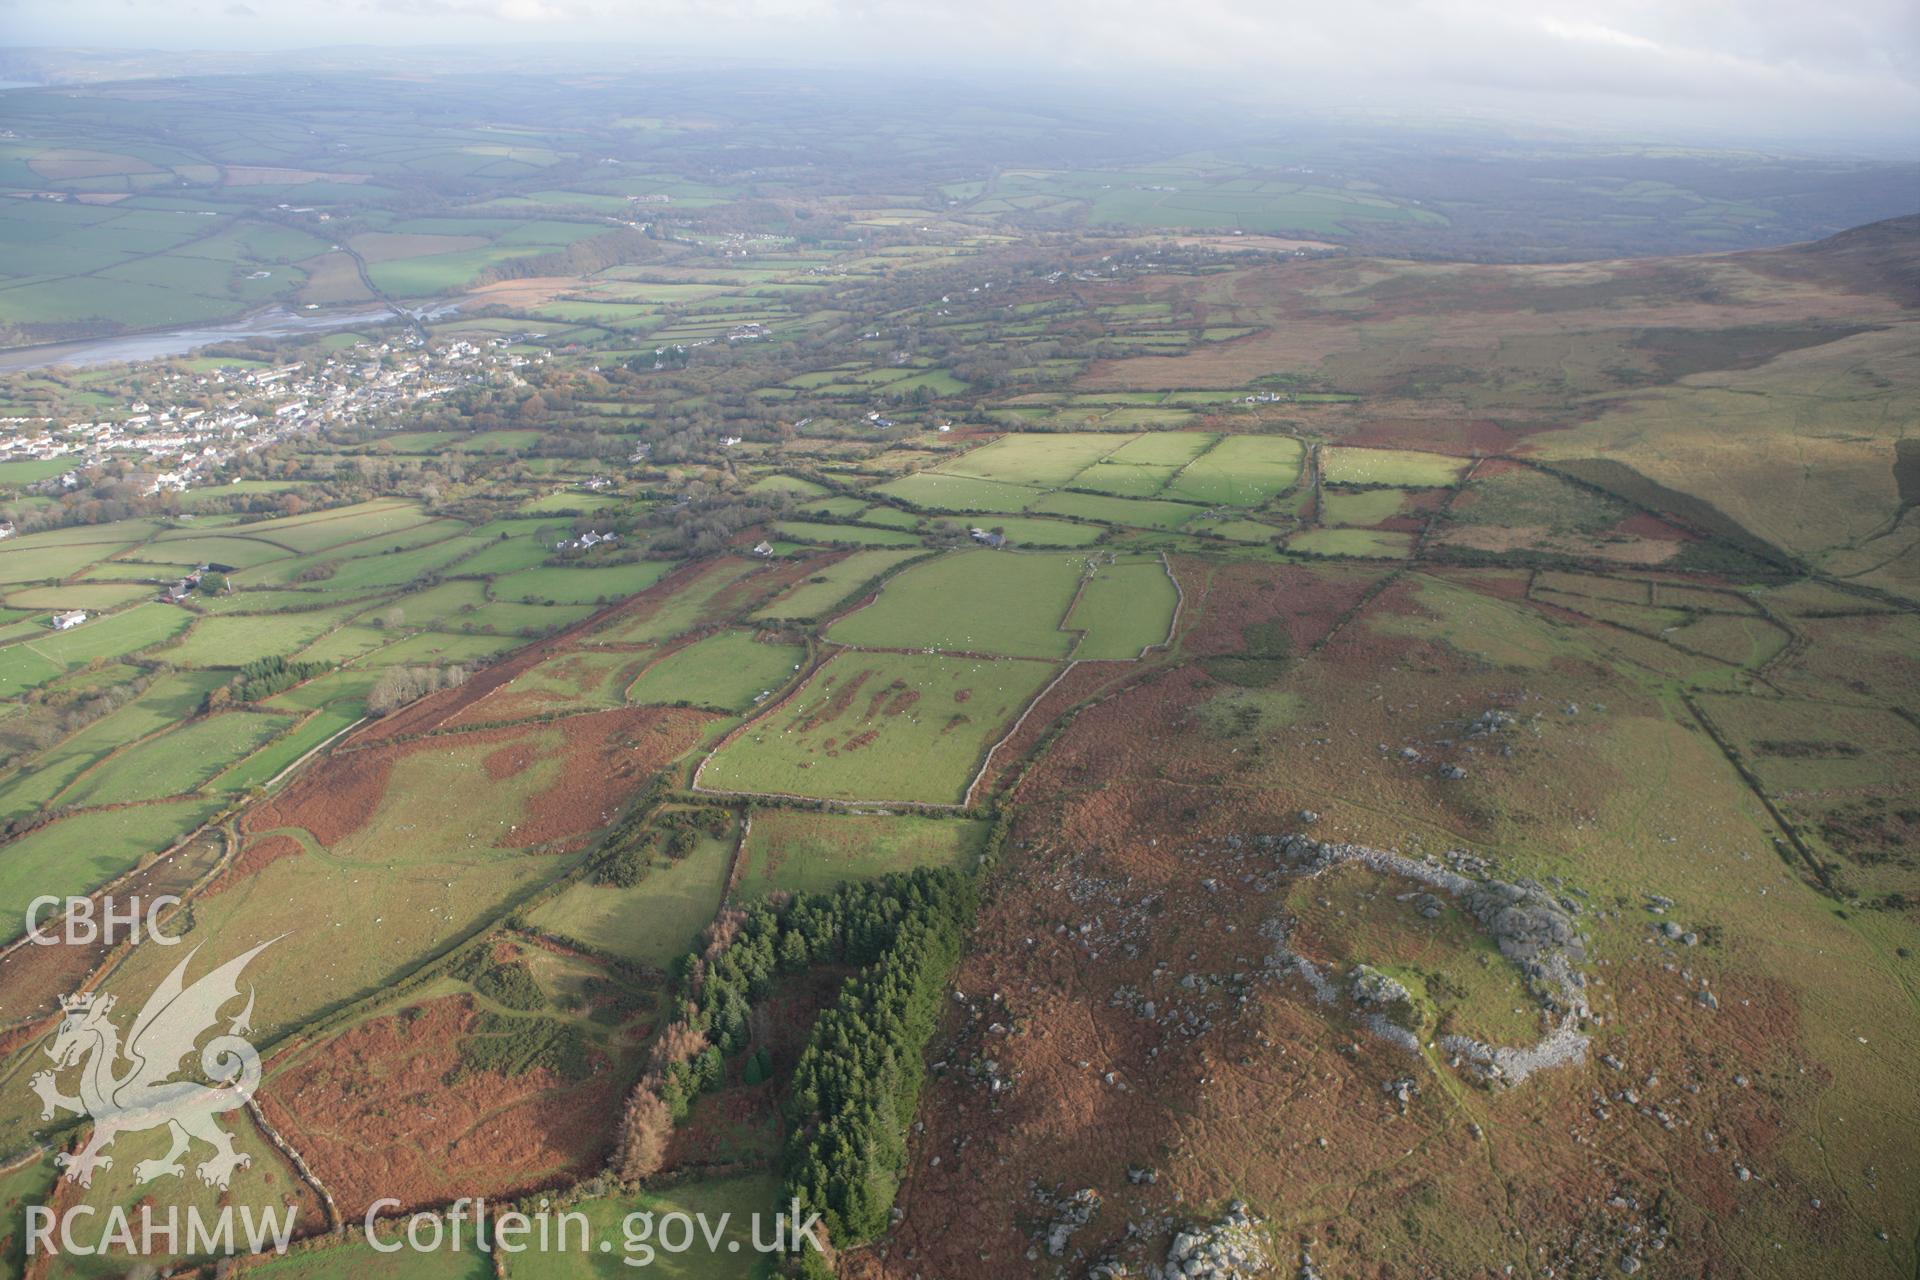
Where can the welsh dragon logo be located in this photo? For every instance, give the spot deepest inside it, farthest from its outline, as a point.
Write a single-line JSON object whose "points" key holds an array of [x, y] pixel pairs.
{"points": [[139, 1095]]}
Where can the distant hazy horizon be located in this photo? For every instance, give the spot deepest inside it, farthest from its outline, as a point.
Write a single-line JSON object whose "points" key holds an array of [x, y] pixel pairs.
{"points": [[1844, 76]]}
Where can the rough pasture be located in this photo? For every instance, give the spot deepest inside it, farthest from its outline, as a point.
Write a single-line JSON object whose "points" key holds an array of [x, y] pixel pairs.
{"points": [[654, 922], [405, 846], [377, 1113], [879, 726], [1131, 819]]}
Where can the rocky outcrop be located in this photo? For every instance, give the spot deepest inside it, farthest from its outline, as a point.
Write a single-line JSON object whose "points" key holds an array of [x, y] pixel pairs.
{"points": [[1229, 1249], [1532, 928], [1070, 1214]]}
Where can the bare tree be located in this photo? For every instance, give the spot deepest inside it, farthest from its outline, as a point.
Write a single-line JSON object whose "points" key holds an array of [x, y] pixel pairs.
{"points": [[645, 1127]]}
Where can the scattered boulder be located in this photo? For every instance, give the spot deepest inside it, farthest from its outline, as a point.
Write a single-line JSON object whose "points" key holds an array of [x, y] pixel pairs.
{"points": [[1403, 1091], [1492, 720], [1371, 988], [1071, 1214], [1229, 1249]]}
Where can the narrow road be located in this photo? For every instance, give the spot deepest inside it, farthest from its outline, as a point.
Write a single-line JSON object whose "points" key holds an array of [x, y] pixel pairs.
{"points": [[366, 278]]}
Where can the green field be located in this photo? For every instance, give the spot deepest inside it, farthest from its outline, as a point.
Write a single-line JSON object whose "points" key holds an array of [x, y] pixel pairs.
{"points": [[91, 596], [992, 602], [78, 854], [1048, 460], [357, 1260], [29, 470], [804, 852], [1240, 471], [936, 491], [1164, 448], [851, 534], [513, 617], [267, 763], [436, 606], [233, 640], [1360, 507], [1124, 480], [880, 726], [832, 584], [441, 848], [1250, 531], [175, 763], [839, 508], [778, 482], [337, 526], [1352, 542], [527, 546], [1134, 512], [238, 550], [729, 1205], [571, 500], [169, 700], [28, 663], [654, 922], [577, 680], [1026, 531], [727, 672], [1123, 609], [434, 647], [694, 601], [358, 567], [579, 586], [1404, 468]]}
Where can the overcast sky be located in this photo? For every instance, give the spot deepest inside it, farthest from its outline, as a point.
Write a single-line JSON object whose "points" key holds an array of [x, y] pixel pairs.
{"points": [[1834, 71]]}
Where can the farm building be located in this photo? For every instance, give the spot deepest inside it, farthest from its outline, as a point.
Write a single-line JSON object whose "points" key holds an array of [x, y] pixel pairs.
{"points": [[69, 620], [585, 541]]}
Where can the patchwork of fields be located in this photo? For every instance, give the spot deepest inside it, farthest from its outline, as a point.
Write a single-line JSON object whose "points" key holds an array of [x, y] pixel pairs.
{"points": [[344, 595], [1255, 722], [1050, 473]]}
